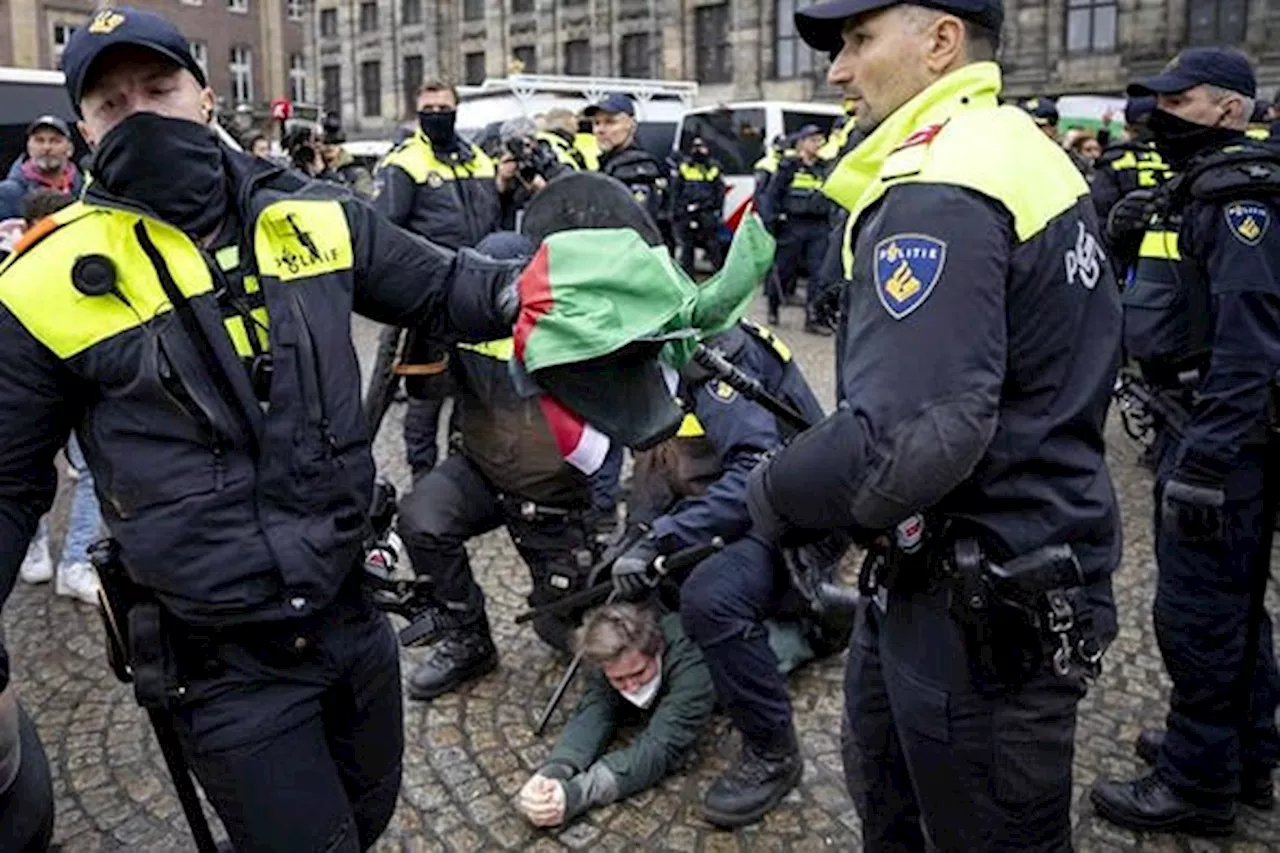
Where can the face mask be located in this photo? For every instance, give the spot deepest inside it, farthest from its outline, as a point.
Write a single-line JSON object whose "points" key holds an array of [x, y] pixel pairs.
{"points": [[438, 127], [169, 165], [700, 156], [1179, 140], [644, 696]]}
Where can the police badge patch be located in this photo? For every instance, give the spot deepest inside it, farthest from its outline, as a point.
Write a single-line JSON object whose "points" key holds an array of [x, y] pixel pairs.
{"points": [[907, 266], [1248, 221]]}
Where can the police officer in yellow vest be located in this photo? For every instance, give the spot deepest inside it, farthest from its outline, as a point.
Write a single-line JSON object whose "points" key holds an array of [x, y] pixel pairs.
{"points": [[841, 139], [190, 319], [560, 128], [697, 194], [798, 215], [446, 189], [969, 432]]}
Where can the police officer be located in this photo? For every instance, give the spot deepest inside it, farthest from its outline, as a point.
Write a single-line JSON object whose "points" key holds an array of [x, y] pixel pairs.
{"points": [[1217, 315], [843, 136], [508, 471], [800, 214], [697, 200], [190, 320], [726, 600], [559, 134], [438, 185], [959, 405], [1124, 167], [613, 121]]}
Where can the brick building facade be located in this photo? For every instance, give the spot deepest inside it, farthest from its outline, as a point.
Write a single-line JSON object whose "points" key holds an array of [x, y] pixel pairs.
{"points": [[250, 49]]}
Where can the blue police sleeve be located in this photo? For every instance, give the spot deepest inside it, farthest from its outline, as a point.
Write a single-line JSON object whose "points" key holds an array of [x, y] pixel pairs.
{"points": [[922, 367], [742, 432], [394, 195], [1243, 270], [37, 411]]}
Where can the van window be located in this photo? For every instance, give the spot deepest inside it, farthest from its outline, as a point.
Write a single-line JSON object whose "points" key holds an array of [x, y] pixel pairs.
{"points": [[734, 137], [793, 121]]}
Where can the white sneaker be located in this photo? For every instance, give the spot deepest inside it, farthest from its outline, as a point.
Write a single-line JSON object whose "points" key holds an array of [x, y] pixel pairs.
{"points": [[78, 580], [37, 566]]}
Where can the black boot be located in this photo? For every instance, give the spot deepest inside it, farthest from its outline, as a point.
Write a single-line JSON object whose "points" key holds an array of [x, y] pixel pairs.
{"points": [[463, 654], [757, 783], [1150, 805], [1256, 788]]}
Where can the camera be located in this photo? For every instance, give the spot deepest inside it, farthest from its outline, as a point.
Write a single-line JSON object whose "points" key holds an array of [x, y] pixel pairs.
{"points": [[533, 159]]}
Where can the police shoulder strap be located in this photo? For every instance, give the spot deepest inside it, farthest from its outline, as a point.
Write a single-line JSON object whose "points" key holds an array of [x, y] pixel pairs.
{"points": [[1247, 170]]}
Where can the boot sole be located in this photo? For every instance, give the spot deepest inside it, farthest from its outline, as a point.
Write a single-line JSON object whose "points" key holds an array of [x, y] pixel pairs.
{"points": [[1262, 803], [724, 820], [479, 670], [1199, 825]]}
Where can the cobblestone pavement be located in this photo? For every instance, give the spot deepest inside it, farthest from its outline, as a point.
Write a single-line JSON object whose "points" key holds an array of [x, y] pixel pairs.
{"points": [[469, 753]]}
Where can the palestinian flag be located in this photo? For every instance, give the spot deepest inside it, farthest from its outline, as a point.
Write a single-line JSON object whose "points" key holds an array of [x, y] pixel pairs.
{"points": [[606, 320]]}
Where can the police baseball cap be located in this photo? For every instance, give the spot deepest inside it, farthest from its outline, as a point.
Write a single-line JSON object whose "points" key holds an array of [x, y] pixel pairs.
{"points": [[612, 103], [1138, 109], [117, 25], [1217, 66], [822, 26], [808, 130], [1043, 110], [51, 122]]}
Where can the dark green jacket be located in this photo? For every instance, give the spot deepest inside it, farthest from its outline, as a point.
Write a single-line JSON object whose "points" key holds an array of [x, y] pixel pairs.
{"points": [[682, 708]]}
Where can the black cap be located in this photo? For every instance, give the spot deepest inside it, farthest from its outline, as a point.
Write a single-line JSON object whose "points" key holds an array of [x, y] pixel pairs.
{"points": [[1043, 110], [123, 25], [822, 26], [1217, 66], [615, 102], [1138, 109], [808, 130], [51, 122]]}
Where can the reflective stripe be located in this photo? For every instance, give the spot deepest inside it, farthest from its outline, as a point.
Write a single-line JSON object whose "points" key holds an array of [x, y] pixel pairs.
{"points": [[690, 427], [1263, 133], [417, 158], [299, 239], [767, 335], [237, 326], [37, 289], [563, 150], [694, 172], [228, 257], [1160, 245], [806, 181], [501, 350]]}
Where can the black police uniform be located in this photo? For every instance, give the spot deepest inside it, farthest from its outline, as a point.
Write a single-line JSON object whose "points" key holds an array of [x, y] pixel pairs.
{"points": [[508, 472], [800, 220], [959, 403], [697, 193], [1203, 314], [26, 788], [450, 198], [241, 506], [646, 177], [1120, 170]]}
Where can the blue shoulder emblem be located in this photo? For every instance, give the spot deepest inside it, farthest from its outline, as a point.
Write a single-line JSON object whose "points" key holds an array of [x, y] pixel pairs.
{"points": [[907, 266], [1248, 221]]}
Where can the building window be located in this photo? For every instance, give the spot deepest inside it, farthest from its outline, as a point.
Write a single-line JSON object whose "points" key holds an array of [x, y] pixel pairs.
{"points": [[472, 10], [414, 72], [711, 37], [200, 53], [634, 61], [1216, 21], [371, 89], [241, 68], [331, 89], [791, 56], [297, 78], [411, 12], [577, 57], [1091, 26], [296, 9], [61, 35], [329, 23], [240, 6], [368, 17], [527, 56], [521, 7], [473, 68]]}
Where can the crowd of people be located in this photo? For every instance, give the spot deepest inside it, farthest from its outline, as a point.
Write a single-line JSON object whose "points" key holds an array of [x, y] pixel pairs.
{"points": [[180, 328]]}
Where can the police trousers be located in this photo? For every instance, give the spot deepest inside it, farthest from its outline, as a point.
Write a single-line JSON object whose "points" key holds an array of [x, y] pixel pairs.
{"points": [[802, 244], [26, 807], [934, 765], [1201, 619], [296, 731], [455, 503], [702, 231]]}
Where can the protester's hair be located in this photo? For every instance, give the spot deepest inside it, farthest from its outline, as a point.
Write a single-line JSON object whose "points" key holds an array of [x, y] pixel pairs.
{"points": [[38, 204], [435, 84], [1077, 144], [561, 119], [253, 140], [615, 629]]}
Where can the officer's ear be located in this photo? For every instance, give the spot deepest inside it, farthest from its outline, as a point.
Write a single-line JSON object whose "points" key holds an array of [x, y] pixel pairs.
{"points": [[207, 101], [946, 48]]}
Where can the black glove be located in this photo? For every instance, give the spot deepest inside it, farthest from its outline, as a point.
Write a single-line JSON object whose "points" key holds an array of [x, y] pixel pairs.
{"points": [[813, 562], [632, 575], [1129, 215], [765, 521], [1191, 503]]}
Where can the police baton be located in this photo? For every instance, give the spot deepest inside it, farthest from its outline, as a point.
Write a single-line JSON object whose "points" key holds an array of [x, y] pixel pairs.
{"points": [[714, 361], [596, 591], [664, 566]]}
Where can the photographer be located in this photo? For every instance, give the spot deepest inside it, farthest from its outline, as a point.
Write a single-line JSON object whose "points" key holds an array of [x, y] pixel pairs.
{"points": [[526, 163]]}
